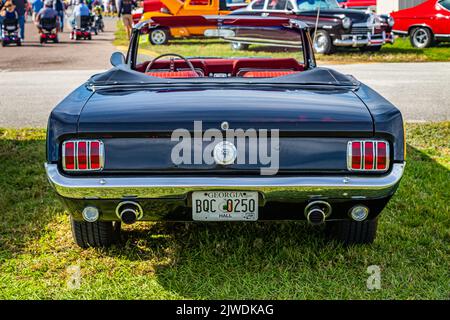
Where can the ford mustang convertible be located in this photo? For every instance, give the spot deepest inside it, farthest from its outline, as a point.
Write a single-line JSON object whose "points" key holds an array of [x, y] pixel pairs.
{"points": [[268, 137]]}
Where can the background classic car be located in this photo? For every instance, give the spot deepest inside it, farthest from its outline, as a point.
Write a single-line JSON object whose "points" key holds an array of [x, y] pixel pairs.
{"points": [[110, 145], [359, 4], [173, 8], [425, 24], [337, 27]]}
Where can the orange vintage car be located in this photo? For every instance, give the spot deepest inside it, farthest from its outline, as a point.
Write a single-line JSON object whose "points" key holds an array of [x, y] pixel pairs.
{"points": [[167, 8]]}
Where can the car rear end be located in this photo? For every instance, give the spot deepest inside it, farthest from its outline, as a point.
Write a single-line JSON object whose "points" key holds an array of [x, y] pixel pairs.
{"points": [[322, 160]]}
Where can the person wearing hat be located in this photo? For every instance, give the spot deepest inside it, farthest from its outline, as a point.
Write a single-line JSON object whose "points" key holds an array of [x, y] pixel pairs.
{"points": [[47, 12]]}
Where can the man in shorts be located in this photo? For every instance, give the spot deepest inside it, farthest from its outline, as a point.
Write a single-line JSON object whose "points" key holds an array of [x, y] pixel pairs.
{"points": [[124, 11]]}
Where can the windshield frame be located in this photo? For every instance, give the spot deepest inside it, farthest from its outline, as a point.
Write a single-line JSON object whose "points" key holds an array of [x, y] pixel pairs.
{"points": [[295, 25]]}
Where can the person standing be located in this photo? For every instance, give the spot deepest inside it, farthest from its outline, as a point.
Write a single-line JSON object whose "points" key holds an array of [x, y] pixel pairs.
{"points": [[20, 8], [36, 5], [124, 10], [58, 6]]}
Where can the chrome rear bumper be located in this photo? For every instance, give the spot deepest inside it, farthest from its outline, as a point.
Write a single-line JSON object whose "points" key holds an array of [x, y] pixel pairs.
{"points": [[284, 189]]}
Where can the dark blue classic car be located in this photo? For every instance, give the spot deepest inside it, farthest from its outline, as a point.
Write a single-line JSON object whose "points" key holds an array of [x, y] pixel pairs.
{"points": [[225, 139]]}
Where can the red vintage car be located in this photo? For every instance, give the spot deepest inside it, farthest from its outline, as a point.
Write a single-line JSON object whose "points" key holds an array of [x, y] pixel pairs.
{"points": [[427, 24], [358, 4]]}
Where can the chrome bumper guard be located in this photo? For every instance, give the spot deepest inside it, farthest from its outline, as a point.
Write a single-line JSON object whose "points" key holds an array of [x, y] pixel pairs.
{"points": [[284, 189], [361, 40]]}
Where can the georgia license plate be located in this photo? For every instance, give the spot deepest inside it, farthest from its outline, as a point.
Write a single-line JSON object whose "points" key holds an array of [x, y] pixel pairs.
{"points": [[225, 206]]}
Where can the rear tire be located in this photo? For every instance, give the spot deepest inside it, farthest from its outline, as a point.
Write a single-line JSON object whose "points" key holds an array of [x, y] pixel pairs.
{"points": [[351, 232], [95, 234], [421, 37]]}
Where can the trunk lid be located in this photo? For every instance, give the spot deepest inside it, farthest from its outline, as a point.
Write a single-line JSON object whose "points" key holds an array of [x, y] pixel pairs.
{"points": [[136, 127], [336, 112]]}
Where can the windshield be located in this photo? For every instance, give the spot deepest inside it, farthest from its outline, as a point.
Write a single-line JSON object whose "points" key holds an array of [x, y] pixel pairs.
{"points": [[306, 5], [232, 49], [445, 4]]}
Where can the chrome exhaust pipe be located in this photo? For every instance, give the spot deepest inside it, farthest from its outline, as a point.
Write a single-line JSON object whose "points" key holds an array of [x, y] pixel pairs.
{"points": [[316, 212], [129, 212]]}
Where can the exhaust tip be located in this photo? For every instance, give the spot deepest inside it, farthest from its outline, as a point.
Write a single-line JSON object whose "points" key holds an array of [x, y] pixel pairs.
{"points": [[317, 211], [316, 216], [129, 212], [128, 216]]}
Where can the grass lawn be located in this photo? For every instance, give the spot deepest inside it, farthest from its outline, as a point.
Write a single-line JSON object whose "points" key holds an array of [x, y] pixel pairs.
{"points": [[241, 261], [401, 51]]}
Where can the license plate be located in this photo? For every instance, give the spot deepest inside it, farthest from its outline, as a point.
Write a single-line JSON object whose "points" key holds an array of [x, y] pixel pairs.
{"points": [[225, 206]]}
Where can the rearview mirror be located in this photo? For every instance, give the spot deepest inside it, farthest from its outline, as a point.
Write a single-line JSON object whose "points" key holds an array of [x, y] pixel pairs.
{"points": [[117, 58]]}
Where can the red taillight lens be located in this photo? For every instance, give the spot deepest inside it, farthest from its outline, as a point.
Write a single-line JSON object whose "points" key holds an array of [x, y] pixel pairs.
{"points": [[95, 155], [356, 155], [382, 155], [82, 155], [69, 155], [368, 155]]}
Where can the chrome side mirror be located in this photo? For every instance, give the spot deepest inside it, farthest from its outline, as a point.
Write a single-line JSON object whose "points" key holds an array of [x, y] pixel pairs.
{"points": [[117, 58]]}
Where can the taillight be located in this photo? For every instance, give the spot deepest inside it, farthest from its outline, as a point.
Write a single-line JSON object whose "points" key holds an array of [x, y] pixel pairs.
{"points": [[82, 155], [367, 155], [68, 155]]}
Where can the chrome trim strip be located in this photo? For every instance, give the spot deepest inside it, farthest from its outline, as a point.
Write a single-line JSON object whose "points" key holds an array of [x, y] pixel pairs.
{"points": [[286, 189]]}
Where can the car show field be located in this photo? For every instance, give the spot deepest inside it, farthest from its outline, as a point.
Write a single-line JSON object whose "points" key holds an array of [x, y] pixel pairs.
{"points": [[97, 201]]}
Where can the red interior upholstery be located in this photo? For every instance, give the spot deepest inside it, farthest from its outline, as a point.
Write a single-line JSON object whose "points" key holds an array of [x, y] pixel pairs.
{"points": [[266, 64], [265, 74], [174, 74], [233, 67]]}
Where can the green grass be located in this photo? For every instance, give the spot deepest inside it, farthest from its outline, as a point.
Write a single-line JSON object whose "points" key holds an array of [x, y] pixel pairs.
{"points": [[242, 261], [401, 51]]}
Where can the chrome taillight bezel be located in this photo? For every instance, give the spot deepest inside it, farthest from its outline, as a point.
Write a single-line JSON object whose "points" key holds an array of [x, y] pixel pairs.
{"points": [[362, 152], [101, 149]]}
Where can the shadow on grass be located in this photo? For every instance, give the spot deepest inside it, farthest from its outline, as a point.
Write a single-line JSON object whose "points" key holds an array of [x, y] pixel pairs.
{"points": [[240, 260], [237, 260]]}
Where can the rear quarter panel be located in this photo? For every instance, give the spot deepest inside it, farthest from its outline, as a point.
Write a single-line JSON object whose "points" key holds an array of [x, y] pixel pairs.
{"points": [[388, 121], [63, 120]]}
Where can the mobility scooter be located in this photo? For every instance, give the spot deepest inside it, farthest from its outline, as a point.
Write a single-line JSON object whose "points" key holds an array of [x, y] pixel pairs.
{"points": [[82, 29], [48, 27], [10, 32]]}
